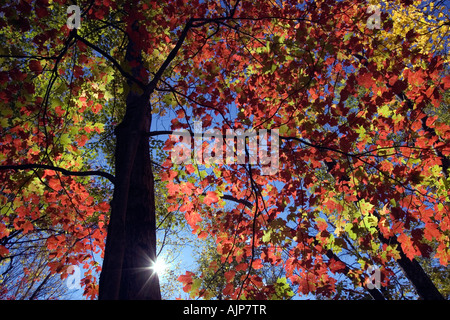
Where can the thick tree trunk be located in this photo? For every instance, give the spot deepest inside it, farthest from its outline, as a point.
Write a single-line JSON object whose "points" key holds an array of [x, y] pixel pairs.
{"points": [[138, 280], [131, 240]]}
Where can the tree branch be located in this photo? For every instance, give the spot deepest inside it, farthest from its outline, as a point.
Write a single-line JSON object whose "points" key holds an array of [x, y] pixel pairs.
{"points": [[246, 203], [374, 293], [65, 172], [111, 59]]}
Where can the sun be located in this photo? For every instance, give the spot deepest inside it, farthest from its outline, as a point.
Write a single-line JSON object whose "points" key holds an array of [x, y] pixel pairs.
{"points": [[159, 266]]}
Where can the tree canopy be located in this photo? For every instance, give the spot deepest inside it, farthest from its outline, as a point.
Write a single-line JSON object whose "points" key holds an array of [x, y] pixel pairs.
{"points": [[347, 169]]}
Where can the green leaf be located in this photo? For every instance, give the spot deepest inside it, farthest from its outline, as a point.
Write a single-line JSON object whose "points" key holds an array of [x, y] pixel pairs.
{"points": [[365, 207], [282, 289], [348, 36], [65, 139], [283, 130], [349, 229], [385, 111], [273, 68]]}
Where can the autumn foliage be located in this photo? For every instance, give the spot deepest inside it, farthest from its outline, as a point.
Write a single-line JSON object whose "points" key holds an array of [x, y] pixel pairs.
{"points": [[364, 157]]}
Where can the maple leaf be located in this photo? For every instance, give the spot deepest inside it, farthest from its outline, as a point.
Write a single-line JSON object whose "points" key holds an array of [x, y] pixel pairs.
{"points": [[407, 246], [35, 66], [27, 226], [187, 280], [241, 266], [322, 224], [211, 197], [82, 139], [78, 71], [366, 80], [190, 168], [446, 82], [229, 275], [3, 251], [54, 183], [59, 111], [4, 232], [193, 218], [431, 231], [229, 289], [337, 266]]}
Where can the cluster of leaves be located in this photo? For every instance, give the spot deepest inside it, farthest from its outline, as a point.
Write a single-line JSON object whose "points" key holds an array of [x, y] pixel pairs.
{"points": [[49, 95], [358, 158], [363, 162]]}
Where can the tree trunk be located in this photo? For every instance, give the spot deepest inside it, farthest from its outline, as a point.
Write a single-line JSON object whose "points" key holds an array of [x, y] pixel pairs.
{"points": [[131, 240], [425, 288], [138, 280]]}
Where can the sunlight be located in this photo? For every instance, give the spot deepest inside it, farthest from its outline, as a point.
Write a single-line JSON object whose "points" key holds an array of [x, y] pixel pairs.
{"points": [[159, 266]]}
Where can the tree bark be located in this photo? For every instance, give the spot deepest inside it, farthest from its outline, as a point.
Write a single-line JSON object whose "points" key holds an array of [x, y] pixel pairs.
{"points": [[138, 280], [131, 240]]}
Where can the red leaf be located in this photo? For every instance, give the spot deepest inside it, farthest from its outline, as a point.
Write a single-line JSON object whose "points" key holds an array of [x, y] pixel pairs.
{"points": [[446, 82], [27, 226], [104, 206], [77, 71], [52, 243], [366, 80], [210, 198], [431, 231], [322, 225], [257, 264], [41, 13], [229, 275], [203, 235], [4, 232], [190, 168], [96, 108], [192, 218], [186, 279], [59, 111], [241, 266], [229, 288], [399, 86], [3, 251], [54, 184], [35, 66], [82, 140], [336, 266], [407, 246]]}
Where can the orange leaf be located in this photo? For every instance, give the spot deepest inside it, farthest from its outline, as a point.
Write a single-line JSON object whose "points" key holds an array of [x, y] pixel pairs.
{"points": [[407, 246], [192, 218], [210, 198]]}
